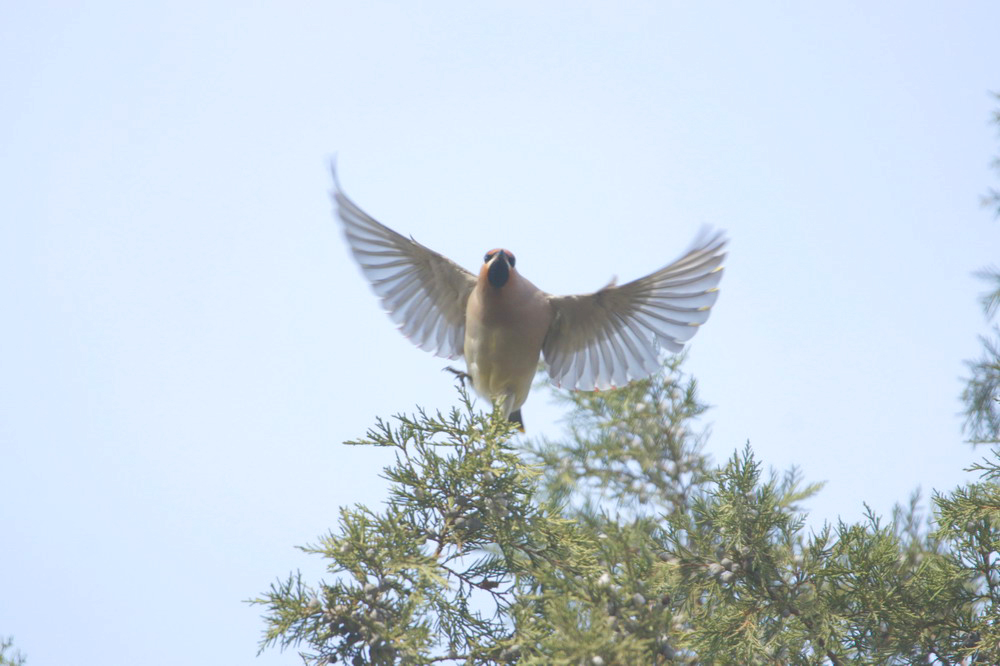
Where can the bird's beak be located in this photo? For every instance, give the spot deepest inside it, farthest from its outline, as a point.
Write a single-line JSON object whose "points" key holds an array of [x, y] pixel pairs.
{"points": [[498, 270]]}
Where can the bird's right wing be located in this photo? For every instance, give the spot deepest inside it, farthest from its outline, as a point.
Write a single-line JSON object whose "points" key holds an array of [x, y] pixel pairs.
{"points": [[614, 335], [423, 291]]}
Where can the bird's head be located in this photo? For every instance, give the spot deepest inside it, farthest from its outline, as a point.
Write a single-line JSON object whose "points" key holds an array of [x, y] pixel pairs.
{"points": [[497, 266]]}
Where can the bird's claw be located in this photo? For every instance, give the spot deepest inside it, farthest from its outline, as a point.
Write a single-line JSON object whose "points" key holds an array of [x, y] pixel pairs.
{"points": [[460, 375]]}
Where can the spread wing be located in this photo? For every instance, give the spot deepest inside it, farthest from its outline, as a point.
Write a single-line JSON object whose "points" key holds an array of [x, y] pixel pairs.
{"points": [[614, 335], [423, 291]]}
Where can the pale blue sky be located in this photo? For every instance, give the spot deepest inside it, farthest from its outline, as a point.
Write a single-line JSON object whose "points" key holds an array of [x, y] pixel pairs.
{"points": [[186, 340]]}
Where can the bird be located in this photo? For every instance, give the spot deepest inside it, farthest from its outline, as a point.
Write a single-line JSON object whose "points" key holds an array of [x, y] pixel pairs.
{"points": [[502, 324]]}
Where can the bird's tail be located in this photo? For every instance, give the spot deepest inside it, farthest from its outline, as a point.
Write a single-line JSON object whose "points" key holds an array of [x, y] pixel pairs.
{"points": [[515, 417]]}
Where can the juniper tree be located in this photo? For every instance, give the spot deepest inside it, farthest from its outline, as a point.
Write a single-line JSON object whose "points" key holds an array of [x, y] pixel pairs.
{"points": [[8, 655], [982, 391], [622, 543]]}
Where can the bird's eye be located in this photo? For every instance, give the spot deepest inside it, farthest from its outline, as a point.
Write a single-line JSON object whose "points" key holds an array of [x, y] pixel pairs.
{"points": [[489, 255], [510, 258]]}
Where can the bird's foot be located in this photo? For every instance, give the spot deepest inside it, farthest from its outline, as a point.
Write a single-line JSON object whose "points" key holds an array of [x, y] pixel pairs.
{"points": [[461, 376]]}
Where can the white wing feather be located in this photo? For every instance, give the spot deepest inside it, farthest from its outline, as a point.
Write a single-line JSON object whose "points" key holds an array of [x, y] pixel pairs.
{"points": [[615, 335], [423, 291]]}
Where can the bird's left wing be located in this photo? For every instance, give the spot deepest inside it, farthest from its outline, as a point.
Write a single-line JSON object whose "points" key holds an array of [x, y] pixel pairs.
{"points": [[614, 335], [423, 291]]}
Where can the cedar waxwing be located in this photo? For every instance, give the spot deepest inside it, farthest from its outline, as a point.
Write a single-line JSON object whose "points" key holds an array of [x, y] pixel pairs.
{"points": [[501, 323]]}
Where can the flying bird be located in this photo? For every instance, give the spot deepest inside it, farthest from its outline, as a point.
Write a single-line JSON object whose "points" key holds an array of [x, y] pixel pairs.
{"points": [[501, 323]]}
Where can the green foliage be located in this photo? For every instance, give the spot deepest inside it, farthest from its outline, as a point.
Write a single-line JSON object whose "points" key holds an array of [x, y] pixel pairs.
{"points": [[631, 446], [11, 658], [624, 544], [992, 198], [982, 390], [435, 574]]}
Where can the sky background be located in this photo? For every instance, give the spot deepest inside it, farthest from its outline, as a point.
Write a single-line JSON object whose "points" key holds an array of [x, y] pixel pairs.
{"points": [[186, 342]]}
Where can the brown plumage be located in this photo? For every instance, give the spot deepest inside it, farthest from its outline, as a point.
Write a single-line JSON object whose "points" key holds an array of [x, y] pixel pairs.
{"points": [[502, 323]]}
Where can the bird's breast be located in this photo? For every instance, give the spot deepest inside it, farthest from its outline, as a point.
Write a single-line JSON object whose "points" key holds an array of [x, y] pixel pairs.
{"points": [[504, 331]]}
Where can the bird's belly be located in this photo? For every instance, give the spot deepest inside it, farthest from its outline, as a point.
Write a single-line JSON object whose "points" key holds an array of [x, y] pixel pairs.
{"points": [[502, 363]]}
